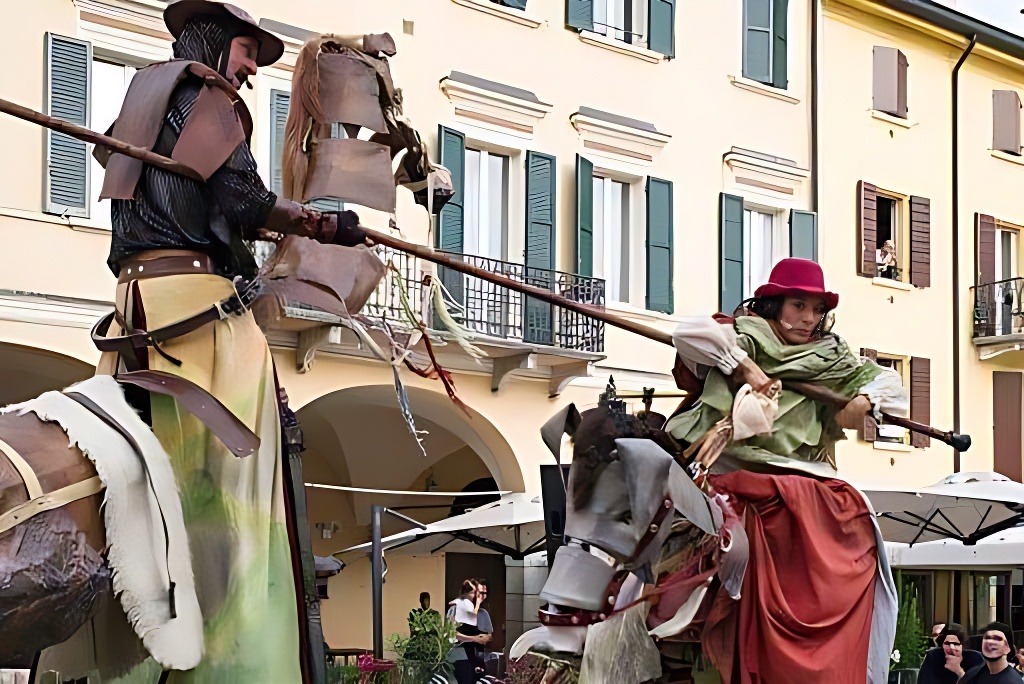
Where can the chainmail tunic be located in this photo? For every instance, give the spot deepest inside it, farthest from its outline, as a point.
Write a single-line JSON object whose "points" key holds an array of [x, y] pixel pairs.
{"points": [[173, 212]]}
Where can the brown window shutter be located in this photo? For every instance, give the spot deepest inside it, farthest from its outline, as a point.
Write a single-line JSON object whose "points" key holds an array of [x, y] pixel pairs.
{"points": [[889, 81], [984, 297], [920, 398], [986, 230], [869, 432], [1006, 416], [920, 242], [1006, 121], [1007, 410], [867, 233]]}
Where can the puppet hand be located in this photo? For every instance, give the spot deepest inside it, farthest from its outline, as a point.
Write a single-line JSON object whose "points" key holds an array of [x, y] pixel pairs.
{"points": [[852, 415]]}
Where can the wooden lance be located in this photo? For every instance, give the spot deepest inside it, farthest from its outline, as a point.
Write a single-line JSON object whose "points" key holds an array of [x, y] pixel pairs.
{"points": [[824, 395]]}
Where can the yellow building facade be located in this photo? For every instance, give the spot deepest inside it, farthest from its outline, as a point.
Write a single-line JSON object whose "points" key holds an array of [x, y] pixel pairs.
{"points": [[662, 154]]}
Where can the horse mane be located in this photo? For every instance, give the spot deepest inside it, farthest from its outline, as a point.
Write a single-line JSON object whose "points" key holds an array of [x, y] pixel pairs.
{"points": [[304, 109]]}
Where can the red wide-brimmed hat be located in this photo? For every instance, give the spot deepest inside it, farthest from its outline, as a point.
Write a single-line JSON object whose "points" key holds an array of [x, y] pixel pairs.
{"points": [[797, 277]]}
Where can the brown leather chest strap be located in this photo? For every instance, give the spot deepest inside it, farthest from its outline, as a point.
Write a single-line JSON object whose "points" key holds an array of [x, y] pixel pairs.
{"points": [[235, 435]]}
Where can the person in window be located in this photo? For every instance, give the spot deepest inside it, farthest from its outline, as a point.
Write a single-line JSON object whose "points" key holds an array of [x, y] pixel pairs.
{"points": [[949, 661], [772, 455], [887, 265], [996, 648], [179, 248]]}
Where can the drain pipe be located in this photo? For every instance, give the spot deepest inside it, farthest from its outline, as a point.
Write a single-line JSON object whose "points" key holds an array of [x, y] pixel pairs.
{"points": [[956, 245], [815, 4]]}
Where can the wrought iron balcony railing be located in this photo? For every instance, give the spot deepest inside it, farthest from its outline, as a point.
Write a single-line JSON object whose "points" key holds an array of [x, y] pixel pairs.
{"points": [[493, 310], [997, 308]]}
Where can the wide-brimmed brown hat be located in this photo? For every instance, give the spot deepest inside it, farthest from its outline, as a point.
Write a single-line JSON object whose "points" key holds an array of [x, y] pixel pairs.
{"points": [[178, 13]]}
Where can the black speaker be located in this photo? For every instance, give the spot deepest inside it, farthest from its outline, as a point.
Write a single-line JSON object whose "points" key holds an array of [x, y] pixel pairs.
{"points": [[553, 482]]}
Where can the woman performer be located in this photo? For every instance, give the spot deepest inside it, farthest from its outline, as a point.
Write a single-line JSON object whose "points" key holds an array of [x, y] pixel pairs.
{"points": [[818, 602]]}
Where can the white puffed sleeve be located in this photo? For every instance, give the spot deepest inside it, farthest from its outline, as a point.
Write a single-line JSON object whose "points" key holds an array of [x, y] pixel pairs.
{"points": [[702, 341], [887, 393]]}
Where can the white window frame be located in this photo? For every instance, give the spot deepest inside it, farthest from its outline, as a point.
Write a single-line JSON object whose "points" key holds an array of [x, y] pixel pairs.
{"points": [[894, 433], [780, 243], [1014, 233], [265, 84], [495, 142], [613, 20], [616, 246], [99, 210], [636, 285], [483, 207]]}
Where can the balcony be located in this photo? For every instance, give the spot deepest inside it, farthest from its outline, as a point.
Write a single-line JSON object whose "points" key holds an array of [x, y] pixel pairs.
{"points": [[492, 310], [998, 316]]}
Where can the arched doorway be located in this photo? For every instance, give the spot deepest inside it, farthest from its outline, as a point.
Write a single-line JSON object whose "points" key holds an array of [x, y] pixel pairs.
{"points": [[356, 437]]}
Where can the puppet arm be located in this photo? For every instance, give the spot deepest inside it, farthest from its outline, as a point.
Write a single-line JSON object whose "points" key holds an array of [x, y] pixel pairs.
{"points": [[703, 341]]}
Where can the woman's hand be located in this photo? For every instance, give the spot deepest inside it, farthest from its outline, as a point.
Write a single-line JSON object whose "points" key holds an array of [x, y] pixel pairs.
{"points": [[751, 374], [852, 415]]}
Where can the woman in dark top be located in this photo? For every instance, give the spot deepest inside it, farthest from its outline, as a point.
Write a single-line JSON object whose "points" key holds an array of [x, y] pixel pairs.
{"points": [[947, 663]]}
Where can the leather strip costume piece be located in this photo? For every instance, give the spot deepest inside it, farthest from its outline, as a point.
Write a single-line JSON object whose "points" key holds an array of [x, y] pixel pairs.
{"points": [[48, 502], [28, 475]]}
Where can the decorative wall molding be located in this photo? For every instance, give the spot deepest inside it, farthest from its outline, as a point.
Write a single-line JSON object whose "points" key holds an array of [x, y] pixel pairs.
{"points": [[495, 110], [601, 137], [761, 175]]}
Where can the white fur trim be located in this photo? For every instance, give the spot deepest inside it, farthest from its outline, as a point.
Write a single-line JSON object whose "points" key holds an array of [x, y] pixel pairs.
{"points": [[131, 516]]}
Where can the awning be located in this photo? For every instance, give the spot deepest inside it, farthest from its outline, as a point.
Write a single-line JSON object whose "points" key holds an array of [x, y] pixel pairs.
{"points": [[513, 526], [1000, 551], [966, 507]]}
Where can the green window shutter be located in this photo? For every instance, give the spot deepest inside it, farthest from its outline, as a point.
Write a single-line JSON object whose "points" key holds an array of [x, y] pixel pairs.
{"points": [[514, 4], [453, 157], [780, 53], [279, 101], [731, 274], [584, 217], [579, 14], [451, 223], [659, 245], [661, 27], [68, 81], [540, 245], [803, 234], [757, 40]]}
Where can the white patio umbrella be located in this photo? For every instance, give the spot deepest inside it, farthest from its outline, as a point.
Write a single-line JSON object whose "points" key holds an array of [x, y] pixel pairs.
{"points": [[966, 507], [513, 526], [999, 551]]}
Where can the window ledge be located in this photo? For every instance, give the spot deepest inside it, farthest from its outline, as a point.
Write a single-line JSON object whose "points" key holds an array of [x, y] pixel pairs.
{"points": [[890, 119], [892, 446], [762, 89], [507, 13], [591, 38], [894, 284], [1006, 156], [493, 110], [625, 143]]}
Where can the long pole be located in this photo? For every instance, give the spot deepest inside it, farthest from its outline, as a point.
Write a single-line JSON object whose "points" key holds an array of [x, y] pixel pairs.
{"points": [[959, 442], [377, 580], [85, 135]]}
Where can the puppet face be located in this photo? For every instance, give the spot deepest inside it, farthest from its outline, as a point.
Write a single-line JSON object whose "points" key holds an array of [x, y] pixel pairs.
{"points": [[798, 318], [242, 60]]}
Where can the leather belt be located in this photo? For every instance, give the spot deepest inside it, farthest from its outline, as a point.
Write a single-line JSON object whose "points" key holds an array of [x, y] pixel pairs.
{"points": [[153, 264], [126, 345]]}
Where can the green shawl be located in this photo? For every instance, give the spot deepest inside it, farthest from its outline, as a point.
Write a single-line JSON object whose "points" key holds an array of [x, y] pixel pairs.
{"points": [[805, 432]]}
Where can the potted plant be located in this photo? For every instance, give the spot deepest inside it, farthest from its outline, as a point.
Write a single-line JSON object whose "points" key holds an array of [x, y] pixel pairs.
{"points": [[423, 655], [911, 642]]}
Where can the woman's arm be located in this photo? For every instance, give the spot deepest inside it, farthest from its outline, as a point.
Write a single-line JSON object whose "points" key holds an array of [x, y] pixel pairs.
{"points": [[703, 341]]}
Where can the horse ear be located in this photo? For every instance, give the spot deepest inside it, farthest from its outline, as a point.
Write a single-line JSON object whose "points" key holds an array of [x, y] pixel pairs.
{"points": [[565, 421]]}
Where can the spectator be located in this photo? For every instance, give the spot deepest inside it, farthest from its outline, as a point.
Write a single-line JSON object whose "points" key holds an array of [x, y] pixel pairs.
{"points": [[465, 611], [934, 638], [948, 662], [996, 645], [423, 609]]}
